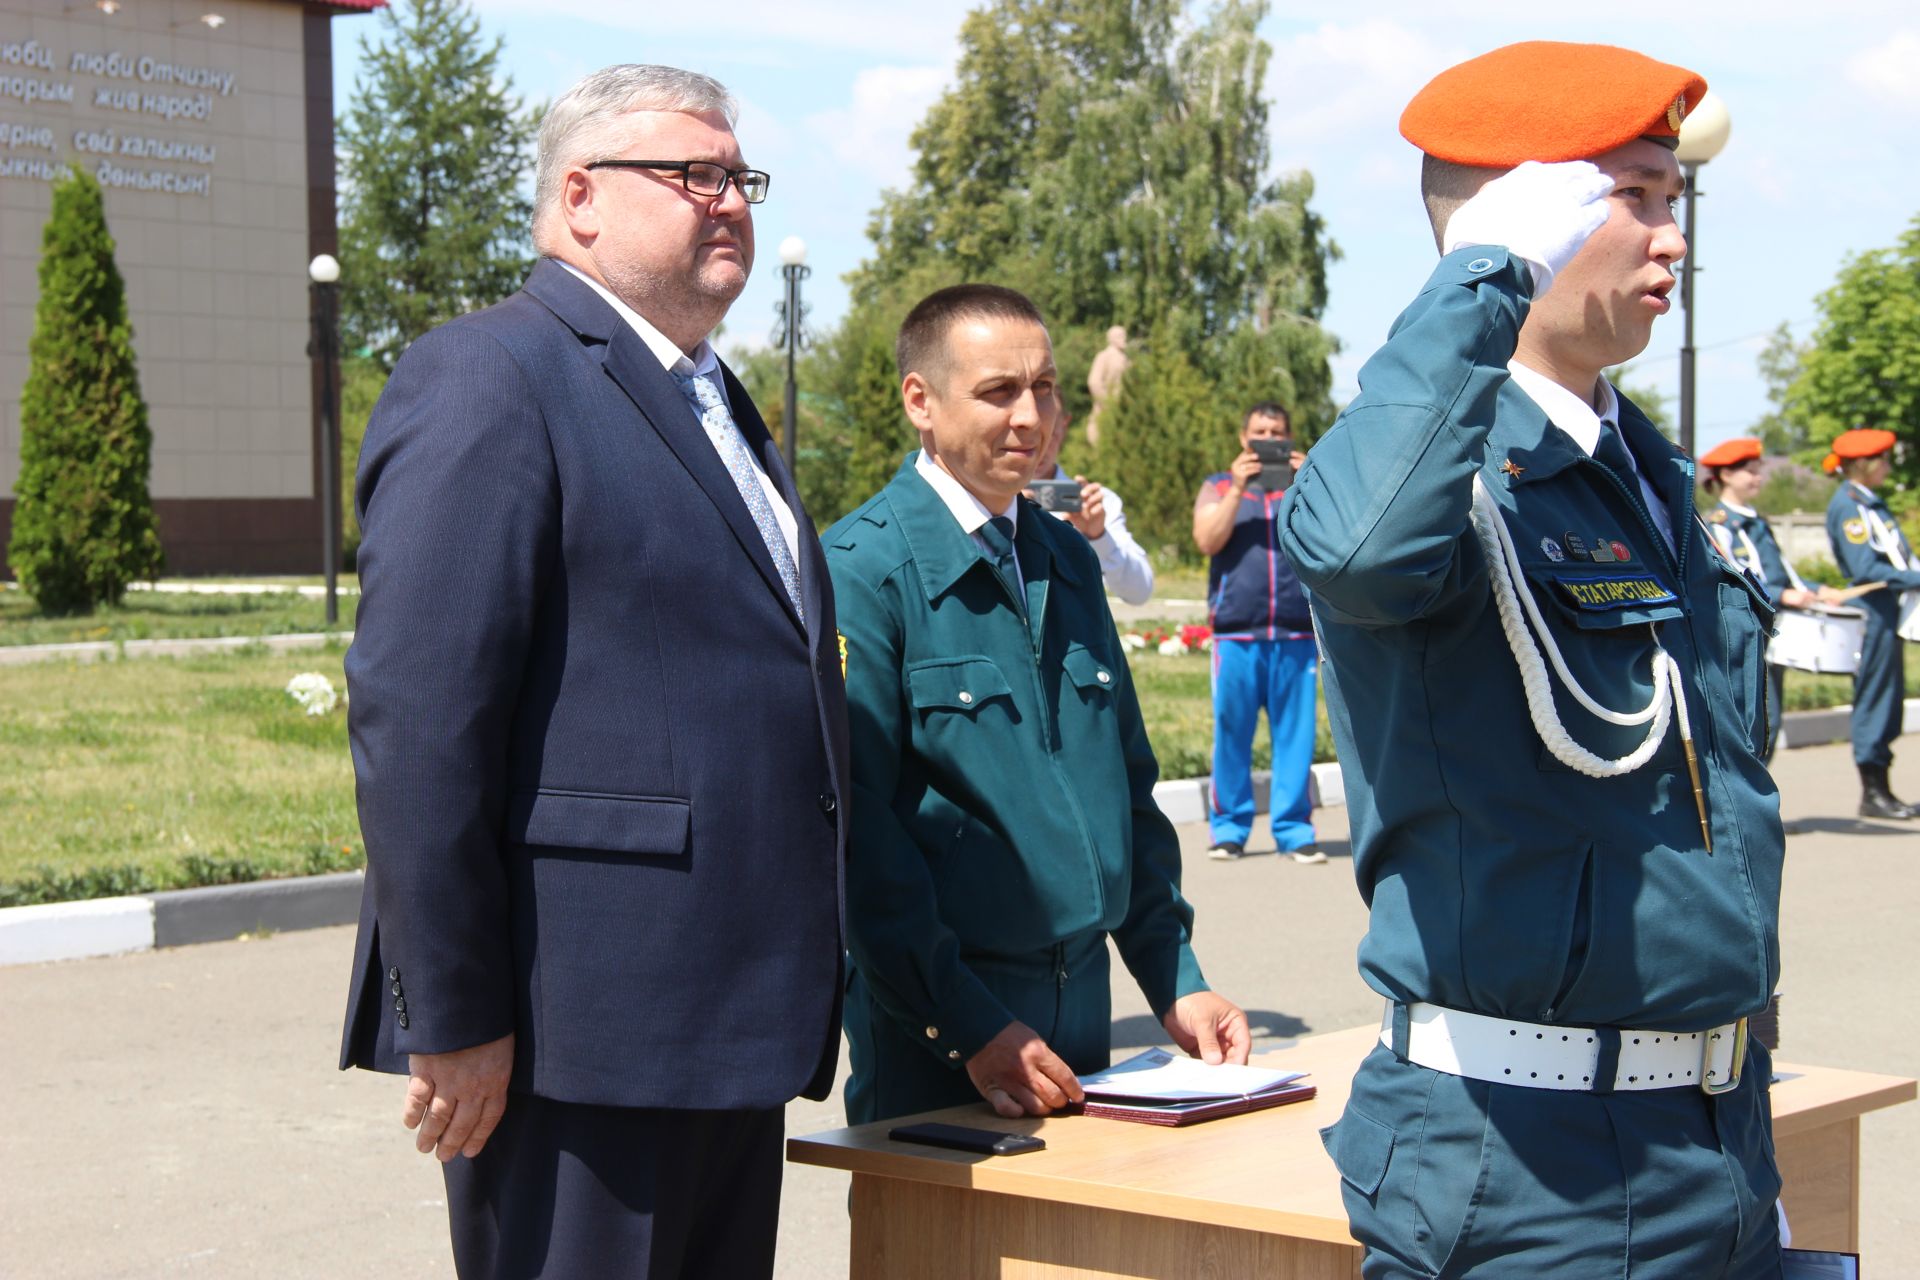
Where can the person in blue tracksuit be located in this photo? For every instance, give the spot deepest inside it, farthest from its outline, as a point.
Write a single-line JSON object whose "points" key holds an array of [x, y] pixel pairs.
{"points": [[1263, 651], [1869, 548], [1731, 472], [1545, 692]]}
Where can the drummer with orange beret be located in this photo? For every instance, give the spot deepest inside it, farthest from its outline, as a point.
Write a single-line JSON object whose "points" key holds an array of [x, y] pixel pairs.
{"points": [[1731, 472], [1543, 683], [1869, 547]]}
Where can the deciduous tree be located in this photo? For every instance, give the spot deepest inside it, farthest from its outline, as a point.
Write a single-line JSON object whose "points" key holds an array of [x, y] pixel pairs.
{"points": [[1861, 367], [1109, 158]]}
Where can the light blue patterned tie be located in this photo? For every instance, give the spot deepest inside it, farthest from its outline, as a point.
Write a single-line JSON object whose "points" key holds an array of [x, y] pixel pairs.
{"points": [[705, 397]]}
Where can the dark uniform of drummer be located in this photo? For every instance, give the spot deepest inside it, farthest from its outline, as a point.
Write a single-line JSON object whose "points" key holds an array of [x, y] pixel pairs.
{"points": [[1870, 548], [1545, 688], [1730, 471]]}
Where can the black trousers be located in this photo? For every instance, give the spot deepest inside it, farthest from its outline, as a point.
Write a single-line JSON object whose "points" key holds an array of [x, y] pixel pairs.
{"points": [[564, 1190]]}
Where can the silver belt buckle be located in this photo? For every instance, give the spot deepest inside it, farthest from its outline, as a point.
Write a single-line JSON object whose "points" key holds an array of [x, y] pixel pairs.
{"points": [[1732, 1082]]}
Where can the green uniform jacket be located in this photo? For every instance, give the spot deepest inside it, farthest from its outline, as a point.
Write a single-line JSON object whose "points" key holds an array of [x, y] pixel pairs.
{"points": [[1002, 779], [1501, 881]]}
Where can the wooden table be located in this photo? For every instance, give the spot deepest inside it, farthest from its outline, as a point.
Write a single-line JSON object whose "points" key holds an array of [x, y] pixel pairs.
{"points": [[1244, 1196]]}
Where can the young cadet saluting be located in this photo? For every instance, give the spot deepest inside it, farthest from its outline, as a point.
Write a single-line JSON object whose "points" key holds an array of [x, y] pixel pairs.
{"points": [[1530, 652], [1869, 547], [1732, 473], [1003, 823]]}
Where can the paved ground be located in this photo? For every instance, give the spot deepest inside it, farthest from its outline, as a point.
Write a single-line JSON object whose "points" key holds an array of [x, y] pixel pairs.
{"points": [[176, 1113]]}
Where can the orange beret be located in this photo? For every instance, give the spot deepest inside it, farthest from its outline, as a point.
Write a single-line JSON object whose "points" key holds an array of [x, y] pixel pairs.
{"points": [[1731, 453], [1547, 100], [1862, 442]]}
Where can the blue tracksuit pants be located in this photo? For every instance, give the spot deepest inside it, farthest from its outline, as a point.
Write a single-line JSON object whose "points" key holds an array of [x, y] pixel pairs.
{"points": [[1281, 676]]}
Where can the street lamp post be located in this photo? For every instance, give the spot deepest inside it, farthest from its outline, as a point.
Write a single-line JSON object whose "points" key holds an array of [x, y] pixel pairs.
{"points": [[790, 333], [1702, 135], [324, 272]]}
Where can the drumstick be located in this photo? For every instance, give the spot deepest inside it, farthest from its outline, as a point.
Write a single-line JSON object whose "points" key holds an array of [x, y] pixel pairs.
{"points": [[1853, 593]]}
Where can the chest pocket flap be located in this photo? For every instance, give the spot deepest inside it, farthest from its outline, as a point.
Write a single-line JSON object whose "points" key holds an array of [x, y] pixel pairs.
{"points": [[955, 684], [1086, 671], [1606, 601]]}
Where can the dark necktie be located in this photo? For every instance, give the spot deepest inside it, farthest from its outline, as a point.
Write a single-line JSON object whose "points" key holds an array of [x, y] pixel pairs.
{"points": [[1611, 451], [997, 533]]}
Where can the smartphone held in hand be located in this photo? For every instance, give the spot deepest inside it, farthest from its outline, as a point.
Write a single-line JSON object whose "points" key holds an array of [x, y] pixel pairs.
{"points": [[1056, 495]]}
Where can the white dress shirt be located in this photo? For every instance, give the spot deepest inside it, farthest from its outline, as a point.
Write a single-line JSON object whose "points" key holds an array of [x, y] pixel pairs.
{"points": [[704, 361], [969, 510], [1578, 419], [1123, 562]]}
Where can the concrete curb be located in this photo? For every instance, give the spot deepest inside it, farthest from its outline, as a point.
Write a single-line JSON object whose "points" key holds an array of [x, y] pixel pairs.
{"points": [[1189, 799], [75, 930], [113, 926], [183, 916], [116, 926], [108, 650]]}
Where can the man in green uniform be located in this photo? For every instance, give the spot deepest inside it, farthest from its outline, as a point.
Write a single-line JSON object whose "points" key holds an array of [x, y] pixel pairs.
{"points": [[1544, 686], [1003, 823]]}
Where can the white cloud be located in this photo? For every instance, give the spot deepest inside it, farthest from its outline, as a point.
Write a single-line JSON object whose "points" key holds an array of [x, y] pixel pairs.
{"points": [[872, 131], [1335, 92], [1885, 70], [871, 26]]}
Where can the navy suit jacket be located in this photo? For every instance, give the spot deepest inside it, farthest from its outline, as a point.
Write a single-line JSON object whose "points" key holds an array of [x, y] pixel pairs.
{"points": [[601, 763]]}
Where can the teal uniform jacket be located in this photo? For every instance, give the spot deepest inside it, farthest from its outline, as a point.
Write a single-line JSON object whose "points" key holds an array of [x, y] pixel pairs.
{"points": [[1861, 560], [1500, 881], [1002, 779], [1879, 685], [1744, 531], [1749, 539]]}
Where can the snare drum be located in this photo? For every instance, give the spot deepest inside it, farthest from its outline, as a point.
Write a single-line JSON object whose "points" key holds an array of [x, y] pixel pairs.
{"points": [[1823, 638], [1908, 627]]}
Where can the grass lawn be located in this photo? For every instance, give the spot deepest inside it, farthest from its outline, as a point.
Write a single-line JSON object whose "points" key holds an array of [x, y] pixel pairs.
{"points": [[156, 615], [126, 777], [1177, 702], [132, 776]]}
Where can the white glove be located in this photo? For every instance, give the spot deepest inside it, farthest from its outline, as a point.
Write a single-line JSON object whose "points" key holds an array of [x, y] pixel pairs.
{"points": [[1541, 213]]}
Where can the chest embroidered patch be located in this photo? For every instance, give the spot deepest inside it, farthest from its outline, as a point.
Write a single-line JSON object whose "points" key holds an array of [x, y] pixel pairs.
{"points": [[1613, 591]]}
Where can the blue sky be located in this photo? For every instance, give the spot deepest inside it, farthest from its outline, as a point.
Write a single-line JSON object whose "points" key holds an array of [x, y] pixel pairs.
{"points": [[1825, 101]]}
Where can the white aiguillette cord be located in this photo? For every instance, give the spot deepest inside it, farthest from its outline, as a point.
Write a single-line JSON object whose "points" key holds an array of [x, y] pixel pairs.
{"points": [[1669, 693]]}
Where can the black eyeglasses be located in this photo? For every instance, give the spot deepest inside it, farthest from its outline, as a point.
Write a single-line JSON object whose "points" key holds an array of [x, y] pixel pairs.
{"points": [[702, 177]]}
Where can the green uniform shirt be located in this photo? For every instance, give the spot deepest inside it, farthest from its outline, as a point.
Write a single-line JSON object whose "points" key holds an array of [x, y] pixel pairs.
{"points": [[1002, 780], [1499, 880]]}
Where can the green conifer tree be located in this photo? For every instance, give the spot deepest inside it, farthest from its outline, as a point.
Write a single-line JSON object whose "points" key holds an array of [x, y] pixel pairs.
{"points": [[83, 519], [435, 153]]}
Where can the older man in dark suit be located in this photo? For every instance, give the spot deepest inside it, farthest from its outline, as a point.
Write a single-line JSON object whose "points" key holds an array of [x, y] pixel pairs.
{"points": [[599, 729]]}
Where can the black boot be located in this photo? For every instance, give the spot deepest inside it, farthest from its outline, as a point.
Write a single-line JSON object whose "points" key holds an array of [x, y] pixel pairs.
{"points": [[1876, 801]]}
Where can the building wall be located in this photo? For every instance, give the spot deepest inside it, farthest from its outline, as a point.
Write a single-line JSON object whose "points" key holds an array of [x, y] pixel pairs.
{"points": [[208, 142]]}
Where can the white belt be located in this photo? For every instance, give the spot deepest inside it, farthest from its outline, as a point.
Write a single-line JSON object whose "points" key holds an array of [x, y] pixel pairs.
{"points": [[1540, 1056]]}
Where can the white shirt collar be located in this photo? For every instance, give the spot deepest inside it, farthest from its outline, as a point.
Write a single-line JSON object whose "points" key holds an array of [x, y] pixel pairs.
{"points": [[671, 357], [1566, 410], [1733, 506], [967, 509]]}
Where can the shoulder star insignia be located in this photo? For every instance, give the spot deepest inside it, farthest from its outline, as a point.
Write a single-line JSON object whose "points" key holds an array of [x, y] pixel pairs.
{"points": [[1510, 468]]}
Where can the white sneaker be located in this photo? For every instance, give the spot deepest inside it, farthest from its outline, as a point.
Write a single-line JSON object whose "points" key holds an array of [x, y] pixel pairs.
{"points": [[1227, 851], [1308, 855]]}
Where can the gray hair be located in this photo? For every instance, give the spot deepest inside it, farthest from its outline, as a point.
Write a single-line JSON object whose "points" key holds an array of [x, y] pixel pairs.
{"points": [[582, 124]]}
